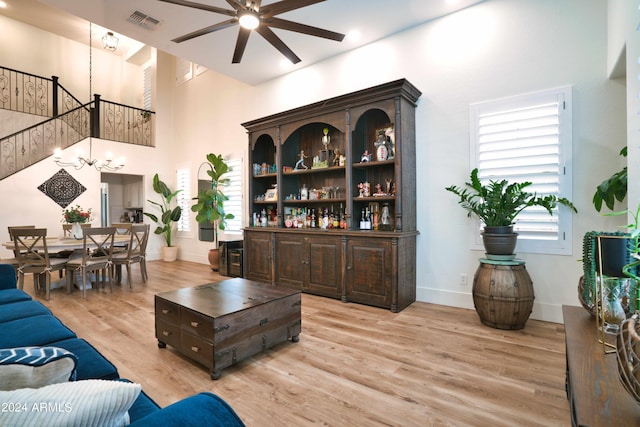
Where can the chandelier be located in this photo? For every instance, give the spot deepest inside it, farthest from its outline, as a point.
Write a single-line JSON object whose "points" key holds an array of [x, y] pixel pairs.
{"points": [[79, 161]]}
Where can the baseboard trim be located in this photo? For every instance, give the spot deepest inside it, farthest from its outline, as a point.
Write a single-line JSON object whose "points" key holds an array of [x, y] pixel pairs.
{"points": [[541, 311]]}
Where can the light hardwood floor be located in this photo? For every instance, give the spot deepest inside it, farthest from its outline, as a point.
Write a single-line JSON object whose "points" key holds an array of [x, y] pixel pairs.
{"points": [[354, 365]]}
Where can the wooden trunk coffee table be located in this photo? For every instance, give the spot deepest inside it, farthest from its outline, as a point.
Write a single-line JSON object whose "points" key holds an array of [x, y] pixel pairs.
{"points": [[222, 323]]}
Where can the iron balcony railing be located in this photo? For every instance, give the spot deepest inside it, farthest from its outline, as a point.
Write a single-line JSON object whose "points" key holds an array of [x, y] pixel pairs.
{"points": [[70, 121]]}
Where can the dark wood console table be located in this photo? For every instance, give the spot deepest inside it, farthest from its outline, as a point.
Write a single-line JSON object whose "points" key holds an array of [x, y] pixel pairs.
{"points": [[596, 395]]}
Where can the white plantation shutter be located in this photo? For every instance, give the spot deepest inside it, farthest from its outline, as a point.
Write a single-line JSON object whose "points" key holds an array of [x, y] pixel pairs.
{"points": [[234, 192], [183, 199], [528, 138]]}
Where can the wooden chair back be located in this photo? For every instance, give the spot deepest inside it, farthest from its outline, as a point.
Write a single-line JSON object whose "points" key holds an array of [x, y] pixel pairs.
{"points": [[30, 248], [32, 254], [11, 228], [138, 243], [97, 246]]}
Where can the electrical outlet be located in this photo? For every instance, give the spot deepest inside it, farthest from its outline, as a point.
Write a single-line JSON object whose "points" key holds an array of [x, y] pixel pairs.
{"points": [[464, 279]]}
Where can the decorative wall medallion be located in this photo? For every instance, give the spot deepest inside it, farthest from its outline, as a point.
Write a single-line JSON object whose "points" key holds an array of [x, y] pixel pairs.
{"points": [[62, 188]]}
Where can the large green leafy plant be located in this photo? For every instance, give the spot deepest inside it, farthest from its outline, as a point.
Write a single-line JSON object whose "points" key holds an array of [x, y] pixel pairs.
{"points": [[168, 215], [612, 189], [498, 203], [209, 207]]}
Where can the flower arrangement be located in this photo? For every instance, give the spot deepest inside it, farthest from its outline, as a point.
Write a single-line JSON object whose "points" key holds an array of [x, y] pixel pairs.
{"points": [[76, 214]]}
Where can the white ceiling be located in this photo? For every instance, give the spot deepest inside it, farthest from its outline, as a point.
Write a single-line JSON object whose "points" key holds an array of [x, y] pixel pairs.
{"points": [[374, 19]]}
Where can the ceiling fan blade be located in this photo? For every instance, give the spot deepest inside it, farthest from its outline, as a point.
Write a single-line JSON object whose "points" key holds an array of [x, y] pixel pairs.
{"points": [[219, 26], [285, 6], [241, 43], [304, 29], [235, 4], [201, 7], [271, 37]]}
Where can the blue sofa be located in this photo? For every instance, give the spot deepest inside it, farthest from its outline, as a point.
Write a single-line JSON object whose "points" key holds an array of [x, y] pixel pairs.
{"points": [[25, 322]]}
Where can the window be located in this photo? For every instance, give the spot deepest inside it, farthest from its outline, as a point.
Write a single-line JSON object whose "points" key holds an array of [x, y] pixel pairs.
{"points": [[234, 192], [528, 138], [183, 199]]}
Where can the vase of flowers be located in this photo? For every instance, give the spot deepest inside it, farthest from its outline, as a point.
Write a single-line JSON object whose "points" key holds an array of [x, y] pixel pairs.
{"points": [[76, 216]]}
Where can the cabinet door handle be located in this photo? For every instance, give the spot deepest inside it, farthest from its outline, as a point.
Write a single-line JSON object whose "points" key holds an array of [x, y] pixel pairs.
{"points": [[195, 349], [194, 324], [166, 333], [348, 267], [165, 311]]}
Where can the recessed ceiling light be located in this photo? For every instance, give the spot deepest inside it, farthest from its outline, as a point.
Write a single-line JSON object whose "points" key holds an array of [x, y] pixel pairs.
{"points": [[354, 35], [3, 4]]}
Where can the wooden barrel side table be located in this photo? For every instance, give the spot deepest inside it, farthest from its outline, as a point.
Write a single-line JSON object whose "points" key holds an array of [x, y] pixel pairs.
{"points": [[503, 293]]}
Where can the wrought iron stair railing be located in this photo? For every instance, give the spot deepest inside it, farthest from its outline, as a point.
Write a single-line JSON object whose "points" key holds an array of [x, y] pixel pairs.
{"points": [[69, 120]]}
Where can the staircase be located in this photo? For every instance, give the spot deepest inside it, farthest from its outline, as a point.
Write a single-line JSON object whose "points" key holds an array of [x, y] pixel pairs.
{"points": [[66, 122]]}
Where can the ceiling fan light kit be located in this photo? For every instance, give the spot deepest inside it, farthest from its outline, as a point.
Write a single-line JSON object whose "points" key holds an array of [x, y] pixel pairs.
{"points": [[249, 20], [250, 15]]}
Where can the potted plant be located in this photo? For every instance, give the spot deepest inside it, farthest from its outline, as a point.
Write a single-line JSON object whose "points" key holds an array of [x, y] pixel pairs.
{"points": [[497, 204], [209, 207], [167, 217], [616, 248]]}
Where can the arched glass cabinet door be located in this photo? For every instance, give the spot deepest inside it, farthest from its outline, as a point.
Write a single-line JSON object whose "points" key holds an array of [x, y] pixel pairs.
{"points": [[373, 171], [263, 185], [314, 178]]}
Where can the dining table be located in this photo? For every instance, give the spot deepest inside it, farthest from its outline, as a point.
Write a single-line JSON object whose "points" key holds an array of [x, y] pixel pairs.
{"points": [[63, 244], [58, 244]]}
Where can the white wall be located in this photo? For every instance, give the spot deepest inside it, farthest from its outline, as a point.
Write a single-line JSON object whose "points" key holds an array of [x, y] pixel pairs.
{"points": [[34, 51], [494, 49]]}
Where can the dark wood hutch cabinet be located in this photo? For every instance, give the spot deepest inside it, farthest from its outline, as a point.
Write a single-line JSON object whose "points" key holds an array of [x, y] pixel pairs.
{"points": [[371, 266]]}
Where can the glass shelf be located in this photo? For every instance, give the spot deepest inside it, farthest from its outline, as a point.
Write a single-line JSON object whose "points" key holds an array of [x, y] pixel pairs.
{"points": [[316, 170], [313, 201]]}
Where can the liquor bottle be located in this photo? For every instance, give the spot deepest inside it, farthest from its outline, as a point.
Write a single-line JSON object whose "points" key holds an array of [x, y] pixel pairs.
{"points": [[367, 219], [304, 193], [263, 218], [363, 224], [325, 219], [255, 219], [313, 218]]}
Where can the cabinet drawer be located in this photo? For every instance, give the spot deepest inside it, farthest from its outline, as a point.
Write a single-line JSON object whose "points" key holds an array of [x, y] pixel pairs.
{"points": [[168, 333], [257, 320], [197, 324], [197, 349], [167, 311]]}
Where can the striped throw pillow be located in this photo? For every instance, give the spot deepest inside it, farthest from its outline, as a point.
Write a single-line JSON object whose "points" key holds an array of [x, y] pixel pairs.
{"points": [[35, 367]]}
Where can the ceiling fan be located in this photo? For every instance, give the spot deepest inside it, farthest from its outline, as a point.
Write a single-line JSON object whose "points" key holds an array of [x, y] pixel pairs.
{"points": [[250, 15]]}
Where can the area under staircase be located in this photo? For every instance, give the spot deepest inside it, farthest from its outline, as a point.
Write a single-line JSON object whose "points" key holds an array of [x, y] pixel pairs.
{"points": [[57, 119]]}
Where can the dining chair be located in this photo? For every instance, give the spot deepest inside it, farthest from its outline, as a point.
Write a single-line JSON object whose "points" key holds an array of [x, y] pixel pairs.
{"points": [[96, 254], [135, 253], [14, 261], [30, 245]]}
